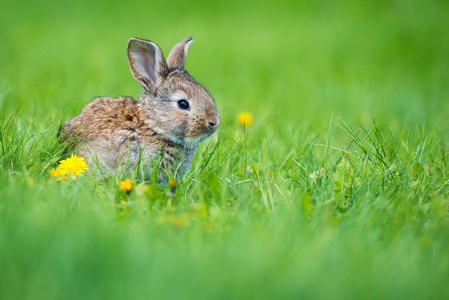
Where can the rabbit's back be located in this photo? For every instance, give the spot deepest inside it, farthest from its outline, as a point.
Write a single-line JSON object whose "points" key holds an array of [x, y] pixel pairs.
{"points": [[105, 117]]}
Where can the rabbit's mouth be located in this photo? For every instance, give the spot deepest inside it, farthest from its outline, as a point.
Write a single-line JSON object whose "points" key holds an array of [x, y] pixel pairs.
{"points": [[207, 132]]}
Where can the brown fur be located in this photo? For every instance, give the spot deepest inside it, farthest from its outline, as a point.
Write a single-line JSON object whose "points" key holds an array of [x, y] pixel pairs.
{"points": [[119, 133]]}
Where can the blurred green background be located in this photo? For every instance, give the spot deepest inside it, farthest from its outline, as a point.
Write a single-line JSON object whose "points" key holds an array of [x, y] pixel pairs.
{"points": [[293, 59], [367, 231]]}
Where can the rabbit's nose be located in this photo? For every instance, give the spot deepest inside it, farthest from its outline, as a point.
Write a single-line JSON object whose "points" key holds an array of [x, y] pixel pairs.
{"points": [[213, 123]]}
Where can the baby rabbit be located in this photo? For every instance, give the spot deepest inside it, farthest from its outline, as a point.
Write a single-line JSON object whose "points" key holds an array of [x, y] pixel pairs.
{"points": [[173, 115]]}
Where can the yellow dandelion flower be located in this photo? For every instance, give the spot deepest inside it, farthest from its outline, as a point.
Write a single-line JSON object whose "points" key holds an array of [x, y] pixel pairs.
{"points": [[244, 119], [126, 185], [172, 183], [74, 165], [54, 172], [58, 172], [31, 180]]}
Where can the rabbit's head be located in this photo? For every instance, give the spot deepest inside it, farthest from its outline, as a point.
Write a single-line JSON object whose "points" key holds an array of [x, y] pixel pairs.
{"points": [[174, 103]]}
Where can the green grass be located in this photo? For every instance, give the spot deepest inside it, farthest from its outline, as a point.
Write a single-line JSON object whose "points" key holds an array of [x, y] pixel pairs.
{"points": [[338, 190]]}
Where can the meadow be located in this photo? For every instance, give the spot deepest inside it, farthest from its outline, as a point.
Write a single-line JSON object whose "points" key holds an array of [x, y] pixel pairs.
{"points": [[338, 189]]}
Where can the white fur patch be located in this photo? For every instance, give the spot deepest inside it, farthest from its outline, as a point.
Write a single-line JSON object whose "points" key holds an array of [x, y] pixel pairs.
{"points": [[178, 95]]}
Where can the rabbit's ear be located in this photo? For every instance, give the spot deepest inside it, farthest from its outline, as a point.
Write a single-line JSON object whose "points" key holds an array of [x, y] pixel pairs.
{"points": [[177, 57], [146, 62]]}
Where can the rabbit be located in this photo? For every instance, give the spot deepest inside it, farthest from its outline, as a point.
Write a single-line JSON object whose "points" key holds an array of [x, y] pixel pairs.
{"points": [[173, 115]]}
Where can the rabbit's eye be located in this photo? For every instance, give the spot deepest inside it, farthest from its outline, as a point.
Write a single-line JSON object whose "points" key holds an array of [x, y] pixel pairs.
{"points": [[183, 104]]}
